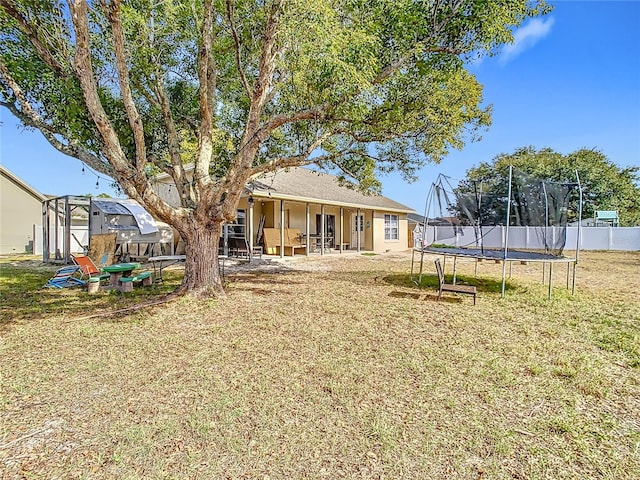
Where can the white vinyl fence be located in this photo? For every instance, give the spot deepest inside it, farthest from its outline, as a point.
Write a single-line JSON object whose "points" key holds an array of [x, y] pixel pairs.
{"points": [[592, 238], [81, 233]]}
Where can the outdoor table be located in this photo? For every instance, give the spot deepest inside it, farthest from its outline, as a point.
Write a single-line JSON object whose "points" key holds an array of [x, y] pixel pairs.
{"points": [[164, 261], [118, 270], [316, 241]]}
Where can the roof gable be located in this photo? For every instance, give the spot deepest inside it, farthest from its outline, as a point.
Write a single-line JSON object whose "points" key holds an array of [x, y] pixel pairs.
{"points": [[22, 184]]}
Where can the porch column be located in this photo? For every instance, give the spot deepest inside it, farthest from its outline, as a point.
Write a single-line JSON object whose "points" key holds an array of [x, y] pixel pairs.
{"points": [[282, 229], [359, 224], [307, 229], [341, 227], [322, 230], [250, 226]]}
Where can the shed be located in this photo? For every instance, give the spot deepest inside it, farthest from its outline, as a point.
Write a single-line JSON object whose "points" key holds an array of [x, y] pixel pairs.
{"points": [[133, 226]]}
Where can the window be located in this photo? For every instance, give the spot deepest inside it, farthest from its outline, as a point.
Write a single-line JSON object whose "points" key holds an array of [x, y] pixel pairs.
{"points": [[329, 225], [391, 227]]}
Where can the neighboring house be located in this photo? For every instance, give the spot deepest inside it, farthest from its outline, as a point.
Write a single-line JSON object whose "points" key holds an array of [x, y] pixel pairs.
{"points": [[416, 229], [20, 210], [299, 198]]}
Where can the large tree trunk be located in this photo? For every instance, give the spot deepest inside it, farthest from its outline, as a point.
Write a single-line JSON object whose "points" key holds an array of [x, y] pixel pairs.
{"points": [[201, 272]]}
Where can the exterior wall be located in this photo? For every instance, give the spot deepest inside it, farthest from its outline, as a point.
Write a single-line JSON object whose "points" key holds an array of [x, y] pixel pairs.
{"points": [[167, 191], [380, 245], [372, 236], [19, 212], [295, 217]]}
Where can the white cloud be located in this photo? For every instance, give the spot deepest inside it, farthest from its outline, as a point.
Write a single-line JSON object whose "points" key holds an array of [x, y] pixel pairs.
{"points": [[526, 37]]}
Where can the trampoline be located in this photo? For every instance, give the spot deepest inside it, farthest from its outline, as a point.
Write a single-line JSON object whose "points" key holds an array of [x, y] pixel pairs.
{"points": [[539, 205]]}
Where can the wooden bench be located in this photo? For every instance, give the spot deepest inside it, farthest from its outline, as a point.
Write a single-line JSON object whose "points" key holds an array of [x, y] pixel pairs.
{"points": [[448, 287], [292, 241], [127, 282]]}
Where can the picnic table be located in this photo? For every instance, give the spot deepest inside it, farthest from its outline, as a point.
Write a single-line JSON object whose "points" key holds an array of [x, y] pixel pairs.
{"points": [[119, 270]]}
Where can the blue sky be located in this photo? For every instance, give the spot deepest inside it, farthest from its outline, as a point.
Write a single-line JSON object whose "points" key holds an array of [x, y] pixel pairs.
{"points": [[571, 80]]}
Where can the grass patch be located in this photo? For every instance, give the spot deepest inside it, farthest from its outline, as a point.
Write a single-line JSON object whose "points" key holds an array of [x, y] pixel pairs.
{"points": [[338, 367], [23, 295]]}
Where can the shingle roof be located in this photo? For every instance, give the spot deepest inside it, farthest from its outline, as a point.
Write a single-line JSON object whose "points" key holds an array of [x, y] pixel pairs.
{"points": [[415, 218], [302, 184]]}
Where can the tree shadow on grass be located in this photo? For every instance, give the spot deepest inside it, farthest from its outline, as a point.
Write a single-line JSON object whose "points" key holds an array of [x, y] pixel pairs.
{"points": [[427, 296], [25, 298], [398, 294], [430, 282]]}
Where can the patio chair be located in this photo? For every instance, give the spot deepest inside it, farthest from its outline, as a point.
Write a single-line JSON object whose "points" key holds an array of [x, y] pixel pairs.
{"points": [[448, 287], [88, 268], [63, 278], [239, 247]]}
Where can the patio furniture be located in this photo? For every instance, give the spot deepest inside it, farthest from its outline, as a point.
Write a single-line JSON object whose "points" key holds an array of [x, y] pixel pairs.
{"points": [[63, 278], [126, 283], [292, 241], [119, 270], [161, 262], [88, 268], [238, 247], [448, 287], [316, 242]]}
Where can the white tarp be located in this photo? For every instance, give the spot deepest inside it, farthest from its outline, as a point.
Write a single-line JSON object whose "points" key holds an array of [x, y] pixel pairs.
{"points": [[146, 223]]}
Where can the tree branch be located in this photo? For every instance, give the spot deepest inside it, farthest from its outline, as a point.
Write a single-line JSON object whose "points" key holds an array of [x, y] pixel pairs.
{"points": [[300, 159], [84, 71], [266, 68], [30, 117], [205, 144], [133, 182], [279, 120], [32, 34], [236, 41], [177, 169], [135, 121]]}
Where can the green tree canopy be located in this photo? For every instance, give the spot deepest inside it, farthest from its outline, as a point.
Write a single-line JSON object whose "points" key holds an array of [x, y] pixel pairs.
{"points": [[605, 185], [237, 88]]}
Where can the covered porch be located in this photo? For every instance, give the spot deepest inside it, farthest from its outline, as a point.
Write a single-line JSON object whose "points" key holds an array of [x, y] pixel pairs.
{"points": [[304, 228]]}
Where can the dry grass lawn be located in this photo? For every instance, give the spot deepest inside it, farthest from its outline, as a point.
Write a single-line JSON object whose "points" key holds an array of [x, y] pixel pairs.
{"points": [[326, 368]]}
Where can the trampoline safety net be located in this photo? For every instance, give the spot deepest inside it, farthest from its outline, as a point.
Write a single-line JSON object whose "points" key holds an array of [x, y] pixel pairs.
{"points": [[542, 205]]}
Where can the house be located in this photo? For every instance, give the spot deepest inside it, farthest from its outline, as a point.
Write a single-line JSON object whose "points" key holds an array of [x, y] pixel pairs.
{"points": [[328, 216], [20, 210], [606, 218]]}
